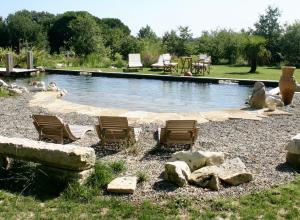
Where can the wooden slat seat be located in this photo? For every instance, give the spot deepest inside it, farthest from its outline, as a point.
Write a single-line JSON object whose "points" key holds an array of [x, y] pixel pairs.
{"points": [[113, 129], [178, 132], [52, 127]]}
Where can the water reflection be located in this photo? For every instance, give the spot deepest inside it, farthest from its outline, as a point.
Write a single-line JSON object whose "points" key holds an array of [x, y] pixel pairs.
{"points": [[148, 95]]}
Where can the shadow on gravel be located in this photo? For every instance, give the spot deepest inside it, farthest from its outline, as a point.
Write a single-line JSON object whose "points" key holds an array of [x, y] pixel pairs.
{"points": [[286, 168], [164, 186], [163, 152], [102, 151], [27, 179]]}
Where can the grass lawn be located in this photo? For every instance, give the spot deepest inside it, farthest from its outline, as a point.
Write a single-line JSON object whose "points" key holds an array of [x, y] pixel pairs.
{"points": [[90, 201], [217, 71]]}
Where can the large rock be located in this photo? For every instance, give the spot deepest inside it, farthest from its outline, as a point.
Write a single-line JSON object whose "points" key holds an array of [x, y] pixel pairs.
{"points": [[3, 84], [232, 172], [294, 145], [198, 159], [293, 159], [15, 91], [258, 97], [69, 157], [177, 172], [52, 87], [122, 185], [205, 180]]}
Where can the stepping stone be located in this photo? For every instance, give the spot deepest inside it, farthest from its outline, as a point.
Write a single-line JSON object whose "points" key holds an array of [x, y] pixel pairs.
{"points": [[123, 185]]}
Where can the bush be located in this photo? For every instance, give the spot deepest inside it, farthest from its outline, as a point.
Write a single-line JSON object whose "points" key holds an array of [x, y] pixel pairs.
{"points": [[119, 62]]}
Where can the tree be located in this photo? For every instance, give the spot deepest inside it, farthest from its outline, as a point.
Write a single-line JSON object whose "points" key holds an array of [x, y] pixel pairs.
{"points": [[86, 36], [129, 44], [269, 27], [3, 34], [178, 44], [113, 31], [290, 44], [170, 41], [60, 32], [254, 49], [23, 31], [147, 33]]}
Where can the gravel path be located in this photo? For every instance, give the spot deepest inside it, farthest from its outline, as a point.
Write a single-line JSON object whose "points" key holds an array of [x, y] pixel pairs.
{"points": [[260, 145]]}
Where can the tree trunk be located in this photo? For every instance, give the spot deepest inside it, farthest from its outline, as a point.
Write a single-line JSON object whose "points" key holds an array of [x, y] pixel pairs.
{"points": [[253, 65]]}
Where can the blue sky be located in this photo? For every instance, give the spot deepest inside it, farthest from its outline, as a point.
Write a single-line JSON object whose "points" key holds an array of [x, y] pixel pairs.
{"points": [[164, 15]]}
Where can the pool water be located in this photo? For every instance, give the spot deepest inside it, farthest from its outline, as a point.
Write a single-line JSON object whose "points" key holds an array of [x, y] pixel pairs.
{"points": [[148, 95]]}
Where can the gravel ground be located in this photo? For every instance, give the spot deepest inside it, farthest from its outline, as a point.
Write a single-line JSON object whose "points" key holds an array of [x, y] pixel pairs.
{"points": [[259, 144]]}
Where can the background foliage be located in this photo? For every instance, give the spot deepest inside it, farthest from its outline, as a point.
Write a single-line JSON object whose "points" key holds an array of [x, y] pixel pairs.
{"points": [[79, 38]]}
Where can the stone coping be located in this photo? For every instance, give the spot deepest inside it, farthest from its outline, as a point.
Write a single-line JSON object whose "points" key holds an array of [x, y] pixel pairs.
{"points": [[50, 101], [268, 83]]}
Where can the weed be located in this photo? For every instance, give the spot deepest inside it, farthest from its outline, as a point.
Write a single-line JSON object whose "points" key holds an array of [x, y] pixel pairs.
{"points": [[142, 177]]}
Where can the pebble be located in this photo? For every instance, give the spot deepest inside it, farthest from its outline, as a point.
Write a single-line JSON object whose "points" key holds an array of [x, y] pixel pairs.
{"points": [[259, 144]]}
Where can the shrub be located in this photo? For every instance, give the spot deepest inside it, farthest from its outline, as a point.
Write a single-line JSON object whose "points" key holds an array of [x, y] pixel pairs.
{"points": [[119, 62]]}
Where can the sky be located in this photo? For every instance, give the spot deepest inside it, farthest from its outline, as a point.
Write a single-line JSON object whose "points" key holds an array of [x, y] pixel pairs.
{"points": [[164, 15]]}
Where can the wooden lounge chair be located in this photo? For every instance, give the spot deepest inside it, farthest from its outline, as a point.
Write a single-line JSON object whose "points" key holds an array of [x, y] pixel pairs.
{"points": [[52, 127], [164, 63], [178, 132], [134, 61], [169, 66], [114, 129]]}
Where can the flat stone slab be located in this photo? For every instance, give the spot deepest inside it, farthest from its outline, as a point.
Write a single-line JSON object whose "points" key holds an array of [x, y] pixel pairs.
{"points": [[294, 146], [123, 185], [68, 157]]}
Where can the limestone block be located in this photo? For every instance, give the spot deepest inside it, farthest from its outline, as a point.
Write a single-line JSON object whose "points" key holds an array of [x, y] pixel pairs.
{"points": [[198, 159], [123, 185], [69, 157], [258, 97], [294, 146], [205, 180], [293, 159], [66, 176], [231, 171], [3, 84], [177, 172], [234, 172]]}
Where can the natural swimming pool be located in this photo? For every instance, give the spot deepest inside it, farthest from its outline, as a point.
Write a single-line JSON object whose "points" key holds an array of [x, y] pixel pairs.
{"points": [[148, 95]]}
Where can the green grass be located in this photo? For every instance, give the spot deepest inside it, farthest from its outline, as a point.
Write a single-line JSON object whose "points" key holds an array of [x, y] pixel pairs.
{"points": [[4, 93], [92, 202], [217, 71]]}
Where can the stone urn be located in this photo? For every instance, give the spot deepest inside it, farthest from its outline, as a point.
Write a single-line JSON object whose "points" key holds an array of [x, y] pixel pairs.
{"points": [[287, 84], [188, 73]]}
